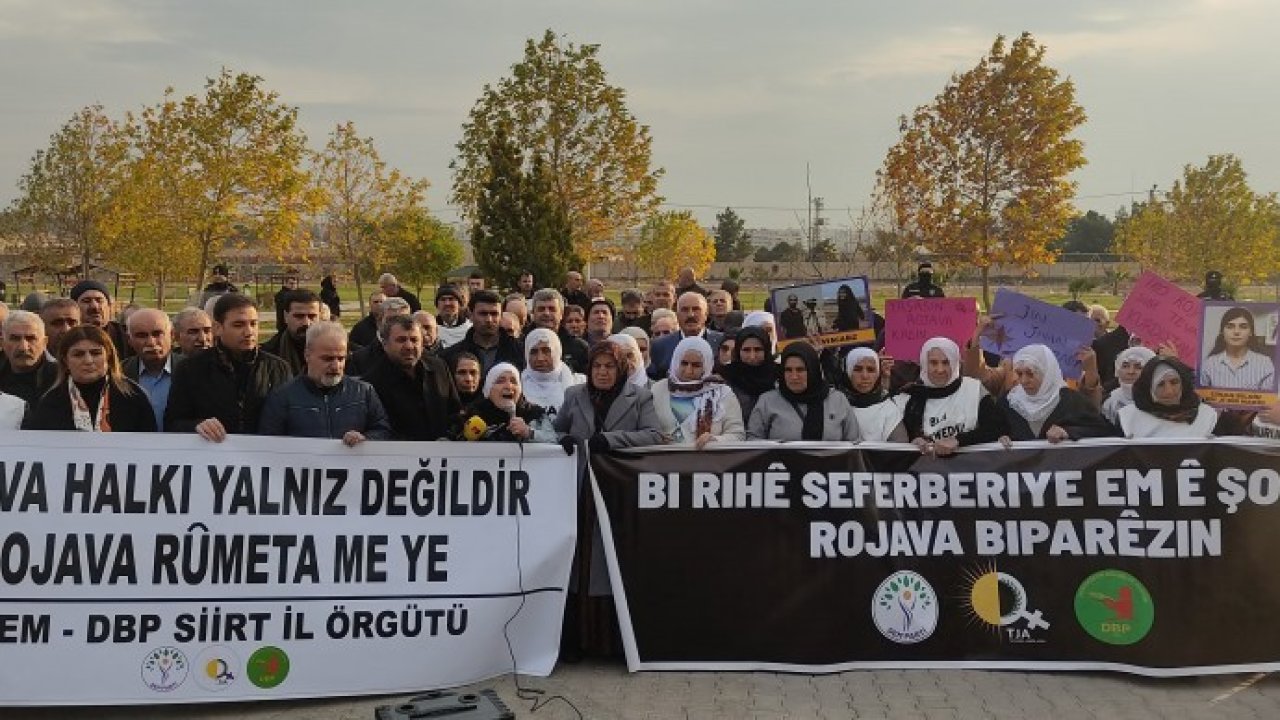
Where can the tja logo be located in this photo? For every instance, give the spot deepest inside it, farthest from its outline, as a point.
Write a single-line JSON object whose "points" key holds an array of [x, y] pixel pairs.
{"points": [[999, 601]]}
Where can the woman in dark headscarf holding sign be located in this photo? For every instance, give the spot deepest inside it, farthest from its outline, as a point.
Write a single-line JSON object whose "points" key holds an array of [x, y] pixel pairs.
{"points": [[1165, 404], [802, 407]]}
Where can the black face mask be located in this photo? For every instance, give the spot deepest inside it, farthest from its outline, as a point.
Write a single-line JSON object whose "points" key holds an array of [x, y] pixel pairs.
{"points": [[926, 278], [1213, 284]]}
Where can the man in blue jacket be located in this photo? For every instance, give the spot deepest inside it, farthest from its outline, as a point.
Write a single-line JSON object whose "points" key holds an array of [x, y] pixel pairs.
{"points": [[323, 402]]}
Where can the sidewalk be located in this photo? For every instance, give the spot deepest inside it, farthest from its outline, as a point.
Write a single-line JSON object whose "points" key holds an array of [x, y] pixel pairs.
{"points": [[602, 690]]}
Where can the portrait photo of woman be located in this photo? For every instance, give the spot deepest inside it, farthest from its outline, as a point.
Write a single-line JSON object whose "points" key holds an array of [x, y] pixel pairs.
{"points": [[1238, 359]]}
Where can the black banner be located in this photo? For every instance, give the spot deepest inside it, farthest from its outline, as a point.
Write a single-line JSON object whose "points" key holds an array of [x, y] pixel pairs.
{"points": [[1153, 558]]}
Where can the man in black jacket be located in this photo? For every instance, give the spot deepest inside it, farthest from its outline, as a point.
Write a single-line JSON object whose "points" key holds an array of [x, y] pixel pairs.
{"points": [[415, 388], [548, 311], [301, 311], [923, 286], [485, 339], [362, 361], [391, 288], [221, 390], [365, 331], [323, 402], [282, 299], [95, 309], [26, 370]]}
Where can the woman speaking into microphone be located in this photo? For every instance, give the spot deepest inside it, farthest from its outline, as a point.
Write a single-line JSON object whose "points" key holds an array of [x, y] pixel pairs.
{"points": [[502, 413]]}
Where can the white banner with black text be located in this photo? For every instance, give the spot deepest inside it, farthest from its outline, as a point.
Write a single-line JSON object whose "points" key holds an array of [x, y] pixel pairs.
{"points": [[164, 568]]}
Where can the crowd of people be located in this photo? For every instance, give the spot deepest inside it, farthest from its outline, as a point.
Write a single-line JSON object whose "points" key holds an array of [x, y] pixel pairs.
{"points": [[676, 364]]}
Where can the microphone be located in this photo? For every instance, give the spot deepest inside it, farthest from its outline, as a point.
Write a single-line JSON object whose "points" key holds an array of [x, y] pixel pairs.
{"points": [[474, 428]]}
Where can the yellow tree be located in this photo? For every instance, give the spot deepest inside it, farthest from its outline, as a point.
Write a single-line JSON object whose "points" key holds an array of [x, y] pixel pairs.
{"points": [[67, 190], [1211, 219], [361, 195], [148, 226], [235, 152], [558, 105], [670, 241], [423, 249], [981, 173]]}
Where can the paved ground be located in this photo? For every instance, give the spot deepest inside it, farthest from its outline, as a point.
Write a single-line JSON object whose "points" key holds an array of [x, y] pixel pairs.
{"points": [[607, 691]]}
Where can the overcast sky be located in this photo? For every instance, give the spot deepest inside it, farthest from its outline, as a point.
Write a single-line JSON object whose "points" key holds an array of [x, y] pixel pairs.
{"points": [[739, 94]]}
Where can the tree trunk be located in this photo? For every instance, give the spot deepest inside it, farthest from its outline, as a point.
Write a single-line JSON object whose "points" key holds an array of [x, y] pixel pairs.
{"points": [[986, 288], [355, 271], [160, 291]]}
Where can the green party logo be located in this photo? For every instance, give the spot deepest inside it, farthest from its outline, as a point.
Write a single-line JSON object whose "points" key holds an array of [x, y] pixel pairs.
{"points": [[267, 667], [1115, 607]]}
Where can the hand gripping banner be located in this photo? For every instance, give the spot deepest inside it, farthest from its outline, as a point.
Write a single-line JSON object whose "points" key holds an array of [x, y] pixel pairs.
{"points": [[1150, 558]]}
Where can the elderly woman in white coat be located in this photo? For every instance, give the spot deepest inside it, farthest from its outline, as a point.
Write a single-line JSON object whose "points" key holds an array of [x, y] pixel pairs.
{"points": [[545, 376], [693, 407]]}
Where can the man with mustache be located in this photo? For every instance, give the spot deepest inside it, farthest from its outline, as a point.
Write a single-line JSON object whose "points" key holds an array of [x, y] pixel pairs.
{"points": [[26, 371], [95, 309]]}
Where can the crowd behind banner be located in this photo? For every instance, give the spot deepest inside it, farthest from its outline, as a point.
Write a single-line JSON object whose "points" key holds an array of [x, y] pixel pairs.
{"points": [[679, 364]]}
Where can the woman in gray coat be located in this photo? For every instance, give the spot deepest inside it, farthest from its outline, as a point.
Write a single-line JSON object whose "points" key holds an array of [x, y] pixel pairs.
{"points": [[607, 411], [803, 407]]}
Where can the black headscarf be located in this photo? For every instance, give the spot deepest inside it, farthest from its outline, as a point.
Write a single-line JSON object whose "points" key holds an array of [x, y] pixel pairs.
{"points": [[848, 310], [754, 380], [815, 392], [602, 398], [1188, 405]]}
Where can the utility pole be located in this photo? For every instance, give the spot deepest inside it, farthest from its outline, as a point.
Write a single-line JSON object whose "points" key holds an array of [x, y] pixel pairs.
{"points": [[815, 226]]}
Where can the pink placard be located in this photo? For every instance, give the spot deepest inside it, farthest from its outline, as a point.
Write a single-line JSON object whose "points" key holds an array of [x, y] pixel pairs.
{"points": [[908, 323], [1157, 311]]}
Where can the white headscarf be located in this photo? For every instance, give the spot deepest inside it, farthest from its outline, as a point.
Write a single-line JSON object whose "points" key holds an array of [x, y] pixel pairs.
{"points": [[496, 372], [1162, 372], [1035, 408], [546, 388], [760, 318], [857, 354], [948, 348], [628, 344], [637, 334], [1142, 354], [689, 388]]}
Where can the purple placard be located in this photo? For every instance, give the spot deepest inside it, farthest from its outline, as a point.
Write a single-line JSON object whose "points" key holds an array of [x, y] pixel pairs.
{"points": [[1018, 321], [1157, 311], [908, 323]]}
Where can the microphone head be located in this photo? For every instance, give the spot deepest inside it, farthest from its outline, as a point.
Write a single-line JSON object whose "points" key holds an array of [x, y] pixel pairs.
{"points": [[474, 428]]}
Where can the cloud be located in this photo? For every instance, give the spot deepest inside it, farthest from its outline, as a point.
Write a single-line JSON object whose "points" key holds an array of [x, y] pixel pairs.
{"points": [[78, 21], [1149, 34]]}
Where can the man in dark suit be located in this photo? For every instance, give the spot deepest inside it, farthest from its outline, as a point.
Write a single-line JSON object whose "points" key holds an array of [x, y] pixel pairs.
{"points": [[691, 311], [151, 337]]}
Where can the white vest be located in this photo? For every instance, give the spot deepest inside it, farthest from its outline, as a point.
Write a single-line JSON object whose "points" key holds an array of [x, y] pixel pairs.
{"points": [[877, 422], [1138, 424], [949, 416]]}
